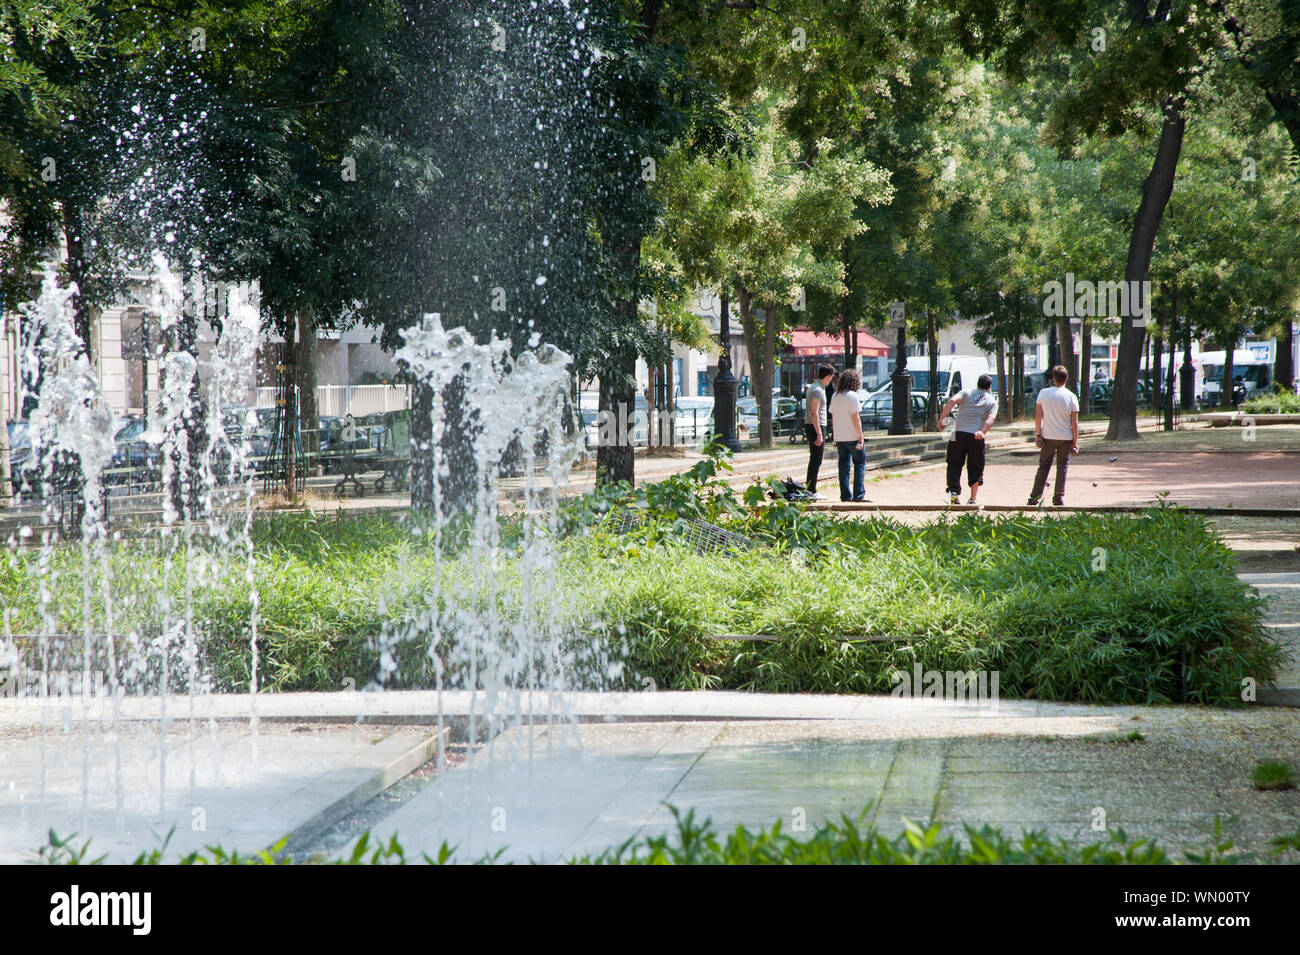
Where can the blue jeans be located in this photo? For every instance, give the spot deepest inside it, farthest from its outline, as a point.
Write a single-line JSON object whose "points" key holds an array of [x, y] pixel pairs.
{"points": [[847, 450]]}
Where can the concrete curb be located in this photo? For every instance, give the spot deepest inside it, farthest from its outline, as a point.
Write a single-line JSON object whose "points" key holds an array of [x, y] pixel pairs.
{"points": [[401, 766], [1239, 418]]}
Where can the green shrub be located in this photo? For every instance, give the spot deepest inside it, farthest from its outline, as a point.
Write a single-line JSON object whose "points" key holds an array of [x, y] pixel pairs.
{"points": [[1279, 402], [1089, 607], [846, 841], [1164, 618]]}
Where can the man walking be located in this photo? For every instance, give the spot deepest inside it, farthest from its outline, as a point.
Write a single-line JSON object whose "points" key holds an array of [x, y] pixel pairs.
{"points": [[814, 423], [977, 409], [1056, 434]]}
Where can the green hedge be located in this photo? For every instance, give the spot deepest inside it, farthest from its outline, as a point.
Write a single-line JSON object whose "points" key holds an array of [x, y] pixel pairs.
{"points": [[845, 841], [1280, 402], [1095, 608]]}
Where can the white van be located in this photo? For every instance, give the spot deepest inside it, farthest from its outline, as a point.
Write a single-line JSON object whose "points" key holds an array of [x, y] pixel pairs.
{"points": [[1255, 372], [956, 373]]}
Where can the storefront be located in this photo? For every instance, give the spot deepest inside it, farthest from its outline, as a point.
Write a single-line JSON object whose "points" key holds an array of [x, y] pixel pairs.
{"points": [[808, 349]]}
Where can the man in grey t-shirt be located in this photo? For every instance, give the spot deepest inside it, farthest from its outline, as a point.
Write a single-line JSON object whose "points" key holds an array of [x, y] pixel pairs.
{"points": [[976, 411], [814, 422]]}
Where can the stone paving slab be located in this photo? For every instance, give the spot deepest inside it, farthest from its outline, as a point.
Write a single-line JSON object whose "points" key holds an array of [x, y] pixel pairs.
{"points": [[1283, 591], [225, 784], [608, 783]]}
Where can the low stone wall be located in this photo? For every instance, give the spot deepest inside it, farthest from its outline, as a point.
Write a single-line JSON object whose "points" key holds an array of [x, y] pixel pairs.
{"points": [[1229, 419]]}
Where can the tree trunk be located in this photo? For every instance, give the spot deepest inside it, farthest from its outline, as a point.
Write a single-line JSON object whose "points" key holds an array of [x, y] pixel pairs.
{"points": [[1284, 364], [1156, 367], [932, 399], [849, 354], [1068, 358], [422, 447], [652, 437], [308, 409], [1156, 190], [616, 460], [1017, 382], [1020, 379], [1085, 365], [453, 487], [77, 273], [760, 346], [460, 478], [1004, 410], [670, 404]]}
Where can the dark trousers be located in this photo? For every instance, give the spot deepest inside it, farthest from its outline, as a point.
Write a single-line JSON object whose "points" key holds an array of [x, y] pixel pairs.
{"points": [[815, 452], [965, 449], [849, 451], [1060, 450]]}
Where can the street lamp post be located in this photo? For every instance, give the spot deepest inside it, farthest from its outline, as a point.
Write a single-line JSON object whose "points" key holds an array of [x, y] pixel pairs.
{"points": [[1187, 374], [901, 379], [724, 383]]}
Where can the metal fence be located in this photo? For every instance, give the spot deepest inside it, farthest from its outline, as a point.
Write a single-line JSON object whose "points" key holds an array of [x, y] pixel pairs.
{"points": [[335, 401]]}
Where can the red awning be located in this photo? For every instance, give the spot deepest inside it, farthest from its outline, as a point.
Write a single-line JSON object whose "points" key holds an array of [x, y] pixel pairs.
{"points": [[806, 343]]}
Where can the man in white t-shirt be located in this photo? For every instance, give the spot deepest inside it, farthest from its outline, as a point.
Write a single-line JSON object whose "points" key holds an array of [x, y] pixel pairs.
{"points": [[1056, 433]]}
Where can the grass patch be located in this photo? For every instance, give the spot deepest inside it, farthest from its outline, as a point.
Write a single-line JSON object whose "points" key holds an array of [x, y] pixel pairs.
{"points": [[1272, 774]]}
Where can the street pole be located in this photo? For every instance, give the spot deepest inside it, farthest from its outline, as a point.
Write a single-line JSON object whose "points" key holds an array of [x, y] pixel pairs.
{"points": [[724, 383], [901, 379], [1053, 348], [1186, 373]]}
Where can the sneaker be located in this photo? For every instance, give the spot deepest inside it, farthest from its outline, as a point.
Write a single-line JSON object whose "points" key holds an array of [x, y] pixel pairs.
{"points": [[1035, 502], [954, 497], [814, 496], [1058, 504], [971, 501]]}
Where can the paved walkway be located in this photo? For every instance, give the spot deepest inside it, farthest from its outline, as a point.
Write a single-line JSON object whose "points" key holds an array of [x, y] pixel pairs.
{"points": [[210, 784], [601, 771], [1283, 593], [586, 788], [595, 769]]}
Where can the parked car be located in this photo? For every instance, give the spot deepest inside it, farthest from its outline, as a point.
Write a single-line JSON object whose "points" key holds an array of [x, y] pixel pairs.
{"points": [[786, 416], [878, 409], [23, 468], [1099, 393], [956, 373], [135, 461], [251, 429], [132, 450], [692, 418]]}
